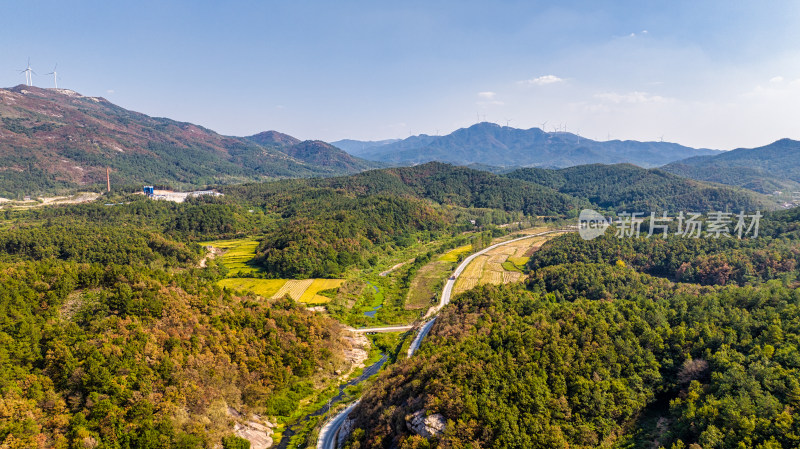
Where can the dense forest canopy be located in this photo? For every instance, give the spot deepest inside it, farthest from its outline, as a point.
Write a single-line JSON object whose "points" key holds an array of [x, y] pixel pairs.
{"points": [[626, 187], [111, 337]]}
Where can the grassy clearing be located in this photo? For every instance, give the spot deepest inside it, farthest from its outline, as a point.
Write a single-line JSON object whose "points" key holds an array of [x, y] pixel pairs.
{"points": [[453, 255], [263, 287], [511, 266], [237, 254], [425, 287]]}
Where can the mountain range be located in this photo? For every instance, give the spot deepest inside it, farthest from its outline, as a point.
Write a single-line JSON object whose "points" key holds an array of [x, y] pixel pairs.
{"points": [[764, 169], [54, 140], [503, 146]]}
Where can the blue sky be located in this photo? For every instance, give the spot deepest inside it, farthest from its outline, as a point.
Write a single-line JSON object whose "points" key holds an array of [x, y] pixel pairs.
{"points": [[718, 74]]}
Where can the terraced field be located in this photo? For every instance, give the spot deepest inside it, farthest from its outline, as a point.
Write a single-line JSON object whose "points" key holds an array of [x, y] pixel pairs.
{"points": [[501, 265], [471, 276]]}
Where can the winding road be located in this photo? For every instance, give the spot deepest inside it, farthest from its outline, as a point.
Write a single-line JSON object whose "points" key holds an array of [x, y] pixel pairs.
{"points": [[328, 435]]}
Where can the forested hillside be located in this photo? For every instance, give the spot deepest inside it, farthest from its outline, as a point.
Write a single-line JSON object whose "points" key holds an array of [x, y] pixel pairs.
{"points": [[328, 225], [625, 187], [594, 351], [112, 338], [460, 186], [56, 140], [765, 169]]}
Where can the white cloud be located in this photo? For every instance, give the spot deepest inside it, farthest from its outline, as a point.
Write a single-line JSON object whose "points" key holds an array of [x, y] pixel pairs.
{"points": [[488, 99], [776, 79], [110, 91], [543, 80], [631, 98]]}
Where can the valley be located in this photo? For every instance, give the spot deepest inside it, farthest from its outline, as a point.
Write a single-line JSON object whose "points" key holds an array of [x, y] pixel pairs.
{"points": [[405, 225], [338, 280]]}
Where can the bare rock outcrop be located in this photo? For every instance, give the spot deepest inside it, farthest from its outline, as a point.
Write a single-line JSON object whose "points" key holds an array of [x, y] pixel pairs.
{"points": [[256, 430], [426, 425]]}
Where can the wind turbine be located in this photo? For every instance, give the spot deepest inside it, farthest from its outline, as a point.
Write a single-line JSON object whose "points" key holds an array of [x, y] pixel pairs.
{"points": [[28, 74], [509, 120], [542, 126], [55, 75]]}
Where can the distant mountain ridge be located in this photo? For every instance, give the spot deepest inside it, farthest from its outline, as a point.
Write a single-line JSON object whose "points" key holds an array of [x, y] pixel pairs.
{"points": [[359, 147], [315, 152], [56, 140], [764, 169], [503, 146]]}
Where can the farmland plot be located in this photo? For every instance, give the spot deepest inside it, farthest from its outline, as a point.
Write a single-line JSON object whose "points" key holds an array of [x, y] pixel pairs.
{"points": [[294, 288], [501, 265]]}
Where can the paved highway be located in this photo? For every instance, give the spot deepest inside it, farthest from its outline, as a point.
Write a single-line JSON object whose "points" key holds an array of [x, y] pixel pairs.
{"points": [[327, 436]]}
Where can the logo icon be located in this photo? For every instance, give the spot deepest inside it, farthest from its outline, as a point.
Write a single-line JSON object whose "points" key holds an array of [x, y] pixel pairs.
{"points": [[591, 224]]}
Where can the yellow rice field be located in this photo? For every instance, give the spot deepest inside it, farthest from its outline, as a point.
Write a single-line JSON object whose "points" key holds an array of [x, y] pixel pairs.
{"points": [[262, 287], [294, 288], [305, 291], [518, 261], [237, 253], [452, 255], [310, 296]]}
